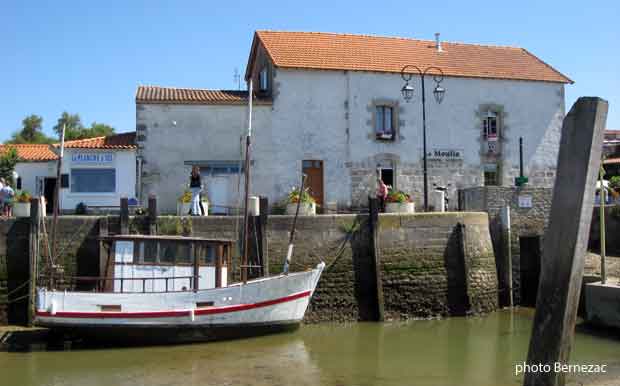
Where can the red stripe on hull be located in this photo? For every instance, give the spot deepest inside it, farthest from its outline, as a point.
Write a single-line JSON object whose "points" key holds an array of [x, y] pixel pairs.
{"points": [[163, 314]]}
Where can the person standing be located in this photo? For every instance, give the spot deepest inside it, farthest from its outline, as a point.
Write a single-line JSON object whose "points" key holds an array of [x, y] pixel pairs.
{"points": [[382, 192], [7, 193], [195, 186]]}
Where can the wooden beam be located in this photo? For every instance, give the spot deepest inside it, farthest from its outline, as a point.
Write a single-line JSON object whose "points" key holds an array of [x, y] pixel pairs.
{"points": [[35, 221], [124, 216], [566, 240], [152, 214], [262, 241]]}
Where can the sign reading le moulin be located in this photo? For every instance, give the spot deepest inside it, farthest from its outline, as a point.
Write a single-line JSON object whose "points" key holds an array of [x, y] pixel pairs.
{"points": [[92, 158], [445, 154]]}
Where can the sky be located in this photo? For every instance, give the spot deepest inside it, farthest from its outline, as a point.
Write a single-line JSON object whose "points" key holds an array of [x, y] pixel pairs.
{"points": [[88, 57]]}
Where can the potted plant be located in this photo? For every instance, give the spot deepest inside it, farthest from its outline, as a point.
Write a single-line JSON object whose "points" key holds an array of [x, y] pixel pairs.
{"points": [[21, 207], [307, 206], [398, 201], [184, 203]]}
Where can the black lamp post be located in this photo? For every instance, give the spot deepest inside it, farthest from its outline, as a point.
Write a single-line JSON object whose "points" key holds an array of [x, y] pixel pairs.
{"points": [[438, 92]]}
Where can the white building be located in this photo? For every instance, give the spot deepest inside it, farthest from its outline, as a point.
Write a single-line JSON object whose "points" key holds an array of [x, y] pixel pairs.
{"points": [[95, 171], [331, 105]]}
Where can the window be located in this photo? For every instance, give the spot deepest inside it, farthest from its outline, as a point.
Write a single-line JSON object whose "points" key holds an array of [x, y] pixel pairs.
{"points": [[490, 130], [383, 122], [387, 176], [93, 180], [491, 175], [263, 80]]}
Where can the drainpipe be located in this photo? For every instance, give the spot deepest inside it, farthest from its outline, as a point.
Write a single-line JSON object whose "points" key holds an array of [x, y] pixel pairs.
{"points": [[139, 179], [603, 197]]}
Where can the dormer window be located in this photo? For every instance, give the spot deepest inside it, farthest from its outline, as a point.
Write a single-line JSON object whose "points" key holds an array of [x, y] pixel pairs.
{"points": [[263, 80], [384, 128]]}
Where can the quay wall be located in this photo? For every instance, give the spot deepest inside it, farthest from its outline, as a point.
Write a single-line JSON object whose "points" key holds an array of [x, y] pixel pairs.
{"points": [[433, 264]]}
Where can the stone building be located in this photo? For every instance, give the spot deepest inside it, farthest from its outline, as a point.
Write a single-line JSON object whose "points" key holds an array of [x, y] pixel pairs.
{"points": [[330, 105]]}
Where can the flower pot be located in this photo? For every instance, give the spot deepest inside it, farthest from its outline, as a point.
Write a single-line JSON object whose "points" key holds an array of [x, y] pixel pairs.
{"points": [[21, 209], [183, 208], [400, 207], [305, 209]]}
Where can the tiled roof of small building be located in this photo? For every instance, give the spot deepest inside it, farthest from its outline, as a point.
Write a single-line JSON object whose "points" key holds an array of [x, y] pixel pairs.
{"points": [[156, 94], [31, 152], [116, 141], [331, 51]]}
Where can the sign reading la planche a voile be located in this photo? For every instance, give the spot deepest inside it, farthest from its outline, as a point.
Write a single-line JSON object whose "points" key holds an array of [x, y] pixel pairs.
{"points": [[92, 158]]}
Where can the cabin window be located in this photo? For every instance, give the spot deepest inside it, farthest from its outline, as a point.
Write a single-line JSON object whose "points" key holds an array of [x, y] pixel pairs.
{"points": [[93, 180], [162, 252]]}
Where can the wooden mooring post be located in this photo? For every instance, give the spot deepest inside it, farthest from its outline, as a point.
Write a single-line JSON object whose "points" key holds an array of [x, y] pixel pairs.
{"points": [[152, 214], [124, 216], [262, 239], [373, 224], [35, 221], [566, 241]]}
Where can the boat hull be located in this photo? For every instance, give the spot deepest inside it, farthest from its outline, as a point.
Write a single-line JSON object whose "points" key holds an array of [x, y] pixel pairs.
{"points": [[258, 307]]}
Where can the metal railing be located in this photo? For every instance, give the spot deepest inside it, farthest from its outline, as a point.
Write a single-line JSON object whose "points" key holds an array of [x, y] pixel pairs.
{"points": [[100, 283]]}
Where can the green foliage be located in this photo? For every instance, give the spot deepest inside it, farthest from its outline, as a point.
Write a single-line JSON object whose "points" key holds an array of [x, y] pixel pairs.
{"points": [[174, 226], [306, 198], [74, 129], [31, 131], [23, 197], [398, 196], [8, 159], [99, 130], [614, 182]]}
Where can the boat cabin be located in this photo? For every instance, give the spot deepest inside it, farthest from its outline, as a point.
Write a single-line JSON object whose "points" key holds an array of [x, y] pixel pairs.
{"points": [[144, 263]]}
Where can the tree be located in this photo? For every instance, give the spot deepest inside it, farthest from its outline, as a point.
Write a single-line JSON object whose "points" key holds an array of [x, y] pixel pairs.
{"points": [[99, 130], [31, 125], [30, 131], [8, 160], [73, 126]]}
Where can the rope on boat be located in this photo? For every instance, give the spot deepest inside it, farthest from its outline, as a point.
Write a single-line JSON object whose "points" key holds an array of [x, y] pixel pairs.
{"points": [[17, 288]]}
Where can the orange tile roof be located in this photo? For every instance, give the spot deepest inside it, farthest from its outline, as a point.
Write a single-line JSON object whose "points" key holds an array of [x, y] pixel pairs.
{"points": [[31, 152], [117, 141], [330, 51], [156, 94], [611, 161]]}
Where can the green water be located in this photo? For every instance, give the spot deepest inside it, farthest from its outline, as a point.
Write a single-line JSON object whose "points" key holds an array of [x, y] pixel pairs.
{"points": [[480, 351]]}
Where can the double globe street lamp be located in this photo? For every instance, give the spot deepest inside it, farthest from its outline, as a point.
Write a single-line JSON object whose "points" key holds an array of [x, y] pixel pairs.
{"points": [[407, 91]]}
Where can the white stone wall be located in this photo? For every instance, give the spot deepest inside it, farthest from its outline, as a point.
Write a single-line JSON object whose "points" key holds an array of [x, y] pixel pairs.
{"points": [[125, 165], [29, 171], [170, 135], [327, 115]]}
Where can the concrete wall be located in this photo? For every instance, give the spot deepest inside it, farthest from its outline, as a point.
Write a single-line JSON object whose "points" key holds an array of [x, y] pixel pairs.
{"points": [[425, 269], [525, 222], [612, 230]]}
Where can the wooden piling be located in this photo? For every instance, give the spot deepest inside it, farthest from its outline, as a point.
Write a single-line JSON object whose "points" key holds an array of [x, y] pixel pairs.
{"points": [[124, 216], [375, 255], [566, 240], [106, 265], [262, 240], [506, 295], [152, 214], [35, 221]]}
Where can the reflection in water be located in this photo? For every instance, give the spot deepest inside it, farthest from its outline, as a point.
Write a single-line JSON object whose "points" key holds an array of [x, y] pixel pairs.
{"points": [[477, 351]]}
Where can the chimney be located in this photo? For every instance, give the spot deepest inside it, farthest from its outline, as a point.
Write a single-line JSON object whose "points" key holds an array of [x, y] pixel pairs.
{"points": [[437, 42]]}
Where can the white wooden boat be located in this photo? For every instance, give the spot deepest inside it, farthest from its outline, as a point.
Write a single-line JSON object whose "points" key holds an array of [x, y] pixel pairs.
{"points": [[139, 307]]}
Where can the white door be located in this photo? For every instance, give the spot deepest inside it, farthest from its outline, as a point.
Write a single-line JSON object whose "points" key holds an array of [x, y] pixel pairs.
{"points": [[219, 194]]}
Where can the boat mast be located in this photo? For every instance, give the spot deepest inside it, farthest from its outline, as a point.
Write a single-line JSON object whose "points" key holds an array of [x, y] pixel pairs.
{"points": [[246, 225], [56, 207]]}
